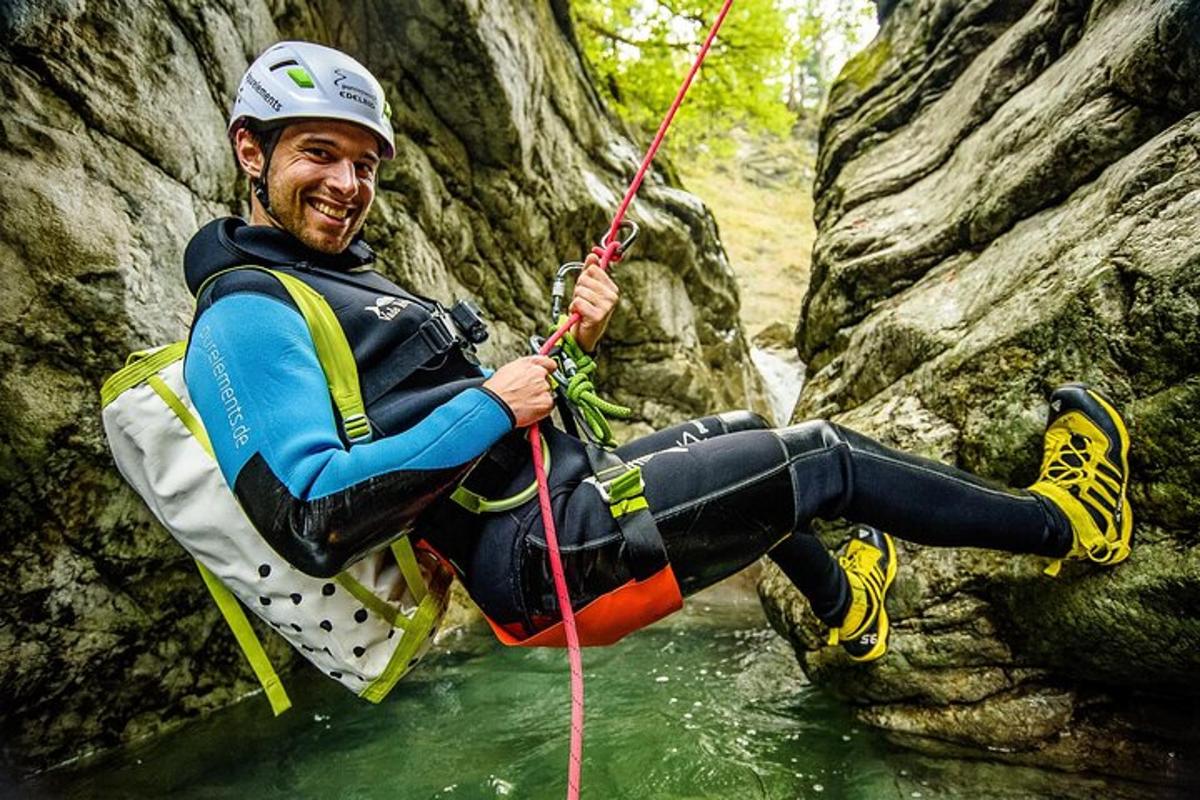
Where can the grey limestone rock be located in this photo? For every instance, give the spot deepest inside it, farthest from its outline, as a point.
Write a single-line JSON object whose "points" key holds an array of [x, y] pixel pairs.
{"points": [[113, 152], [1008, 199]]}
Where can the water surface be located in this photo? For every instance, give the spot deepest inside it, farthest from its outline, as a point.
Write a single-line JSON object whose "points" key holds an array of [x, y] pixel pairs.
{"points": [[707, 704]]}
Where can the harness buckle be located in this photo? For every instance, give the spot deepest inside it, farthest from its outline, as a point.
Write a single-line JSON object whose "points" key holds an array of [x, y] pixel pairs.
{"points": [[437, 335], [625, 493], [357, 428]]}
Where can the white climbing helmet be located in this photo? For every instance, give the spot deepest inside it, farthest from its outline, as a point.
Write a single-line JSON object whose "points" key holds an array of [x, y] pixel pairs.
{"points": [[302, 80]]}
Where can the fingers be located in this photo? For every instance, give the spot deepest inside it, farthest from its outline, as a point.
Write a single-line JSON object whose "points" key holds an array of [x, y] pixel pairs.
{"points": [[598, 280], [588, 310], [545, 362], [588, 295], [595, 294]]}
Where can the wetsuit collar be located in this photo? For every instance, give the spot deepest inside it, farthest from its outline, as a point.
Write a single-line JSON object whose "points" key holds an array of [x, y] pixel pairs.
{"points": [[231, 242]]}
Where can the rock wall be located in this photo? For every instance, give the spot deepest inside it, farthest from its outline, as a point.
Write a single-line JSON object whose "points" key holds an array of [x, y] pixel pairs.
{"points": [[1008, 197], [112, 152]]}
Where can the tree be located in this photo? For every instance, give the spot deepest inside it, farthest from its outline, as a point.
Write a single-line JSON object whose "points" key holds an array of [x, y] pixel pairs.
{"points": [[641, 49], [772, 62], [821, 34]]}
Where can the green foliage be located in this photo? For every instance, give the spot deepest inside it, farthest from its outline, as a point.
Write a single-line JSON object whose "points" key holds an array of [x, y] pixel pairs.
{"points": [[773, 61], [641, 49], [821, 34]]}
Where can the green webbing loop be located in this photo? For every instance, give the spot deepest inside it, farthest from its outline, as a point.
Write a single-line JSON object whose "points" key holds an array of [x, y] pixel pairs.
{"points": [[183, 412], [370, 600], [581, 393], [406, 559], [419, 629], [235, 618], [478, 504], [138, 367]]}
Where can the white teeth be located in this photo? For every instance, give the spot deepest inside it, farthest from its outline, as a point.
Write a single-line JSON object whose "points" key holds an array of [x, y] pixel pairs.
{"points": [[336, 213]]}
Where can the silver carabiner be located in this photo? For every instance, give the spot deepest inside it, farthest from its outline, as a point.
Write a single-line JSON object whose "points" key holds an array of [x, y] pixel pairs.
{"points": [[625, 242], [558, 289]]}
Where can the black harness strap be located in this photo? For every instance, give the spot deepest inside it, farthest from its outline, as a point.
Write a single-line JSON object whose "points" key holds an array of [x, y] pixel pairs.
{"points": [[647, 555], [433, 339]]}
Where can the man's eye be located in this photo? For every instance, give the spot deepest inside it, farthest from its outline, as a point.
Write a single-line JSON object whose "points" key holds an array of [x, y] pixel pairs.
{"points": [[318, 152], [366, 170]]}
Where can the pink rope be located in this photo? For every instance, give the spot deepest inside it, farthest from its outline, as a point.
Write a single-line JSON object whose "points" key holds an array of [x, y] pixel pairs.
{"points": [[608, 255]]}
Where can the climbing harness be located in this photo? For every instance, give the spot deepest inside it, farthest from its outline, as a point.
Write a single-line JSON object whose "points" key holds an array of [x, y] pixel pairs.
{"points": [[610, 248]]}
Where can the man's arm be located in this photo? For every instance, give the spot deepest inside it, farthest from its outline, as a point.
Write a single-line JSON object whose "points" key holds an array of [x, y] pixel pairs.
{"points": [[254, 376]]}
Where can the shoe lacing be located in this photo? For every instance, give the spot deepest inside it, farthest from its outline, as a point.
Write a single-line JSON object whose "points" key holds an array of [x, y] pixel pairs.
{"points": [[858, 562], [872, 576], [1073, 459]]}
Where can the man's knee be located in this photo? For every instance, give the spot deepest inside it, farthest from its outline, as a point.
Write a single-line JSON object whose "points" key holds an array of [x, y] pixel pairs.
{"points": [[742, 420], [813, 434]]}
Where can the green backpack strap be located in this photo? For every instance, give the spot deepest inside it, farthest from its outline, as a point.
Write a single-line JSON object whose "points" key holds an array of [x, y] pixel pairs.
{"points": [[333, 351], [248, 640], [337, 359]]}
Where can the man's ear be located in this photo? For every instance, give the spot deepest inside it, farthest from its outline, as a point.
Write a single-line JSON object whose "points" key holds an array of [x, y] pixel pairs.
{"points": [[249, 152]]}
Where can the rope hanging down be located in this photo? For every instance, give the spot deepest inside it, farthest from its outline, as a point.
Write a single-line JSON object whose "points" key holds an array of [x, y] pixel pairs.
{"points": [[609, 249]]}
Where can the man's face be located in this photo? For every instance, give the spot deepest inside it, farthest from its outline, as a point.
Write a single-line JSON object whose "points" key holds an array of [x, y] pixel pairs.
{"points": [[321, 182]]}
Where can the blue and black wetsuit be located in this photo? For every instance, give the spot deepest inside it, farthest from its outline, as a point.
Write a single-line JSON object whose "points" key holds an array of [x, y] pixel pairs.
{"points": [[724, 490]]}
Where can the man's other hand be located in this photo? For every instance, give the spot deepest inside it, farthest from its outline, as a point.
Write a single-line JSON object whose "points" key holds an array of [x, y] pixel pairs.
{"points": [[595, 299]]}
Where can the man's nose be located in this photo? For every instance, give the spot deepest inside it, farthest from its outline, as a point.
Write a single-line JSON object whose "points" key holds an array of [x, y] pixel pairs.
{"points": [[340, 177]]}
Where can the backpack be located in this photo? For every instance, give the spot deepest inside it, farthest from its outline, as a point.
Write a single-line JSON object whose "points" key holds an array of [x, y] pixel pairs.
{"points": [[364, 628]]}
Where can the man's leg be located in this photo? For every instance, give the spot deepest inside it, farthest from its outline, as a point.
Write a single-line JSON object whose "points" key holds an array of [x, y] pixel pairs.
{"points": [[721, 503], [801, 555]]}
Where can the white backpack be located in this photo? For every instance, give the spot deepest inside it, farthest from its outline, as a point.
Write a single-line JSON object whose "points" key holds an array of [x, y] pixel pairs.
{"points": [[366, 627]]}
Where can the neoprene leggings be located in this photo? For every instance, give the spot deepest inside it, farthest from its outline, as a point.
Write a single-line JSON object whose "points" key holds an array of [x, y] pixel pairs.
{"points": [[724, 491]]}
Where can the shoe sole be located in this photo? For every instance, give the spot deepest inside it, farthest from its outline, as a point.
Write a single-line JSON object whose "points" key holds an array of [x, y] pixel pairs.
{"points": [[881, 644]]}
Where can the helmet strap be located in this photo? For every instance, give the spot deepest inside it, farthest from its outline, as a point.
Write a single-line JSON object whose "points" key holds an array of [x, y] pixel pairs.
{"points": [[267, 139]]}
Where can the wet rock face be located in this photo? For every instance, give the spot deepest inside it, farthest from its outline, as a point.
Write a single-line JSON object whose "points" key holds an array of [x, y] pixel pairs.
{"points": [[1007, 199], [113, 152]]}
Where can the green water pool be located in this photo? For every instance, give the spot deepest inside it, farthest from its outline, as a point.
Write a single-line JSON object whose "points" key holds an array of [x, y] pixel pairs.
{"points": [[707, 704]]}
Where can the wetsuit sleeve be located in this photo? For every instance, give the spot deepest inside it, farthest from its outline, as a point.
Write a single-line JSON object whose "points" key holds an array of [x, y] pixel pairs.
{"points": [[253, 374]]}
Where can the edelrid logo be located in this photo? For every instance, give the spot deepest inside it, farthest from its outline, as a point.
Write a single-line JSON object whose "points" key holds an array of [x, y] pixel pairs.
{"points": [[387, 308], [351, 92]]}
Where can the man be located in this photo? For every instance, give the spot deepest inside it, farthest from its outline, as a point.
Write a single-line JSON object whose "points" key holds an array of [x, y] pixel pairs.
{"points": [[309, 129]]}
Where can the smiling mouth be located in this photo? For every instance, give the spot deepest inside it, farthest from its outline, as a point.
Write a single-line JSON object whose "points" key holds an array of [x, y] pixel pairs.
{"points": [[339, 214]]}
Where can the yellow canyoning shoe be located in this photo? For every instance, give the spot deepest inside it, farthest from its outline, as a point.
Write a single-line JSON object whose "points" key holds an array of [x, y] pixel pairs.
{"points": [[1085, 473], [870, 565]]}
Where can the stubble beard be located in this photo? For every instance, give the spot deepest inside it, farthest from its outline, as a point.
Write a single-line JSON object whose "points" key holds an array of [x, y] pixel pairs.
{"points": [[291, 216]]}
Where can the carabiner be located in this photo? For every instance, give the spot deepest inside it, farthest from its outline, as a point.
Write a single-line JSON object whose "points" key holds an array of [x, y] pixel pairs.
{"points": [[558, 290], [535, 347], [627, 241]]}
